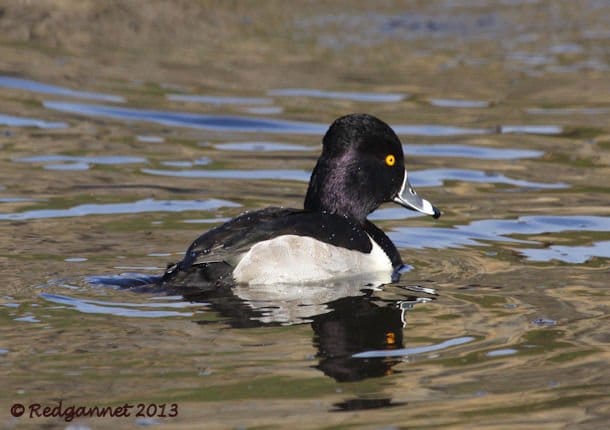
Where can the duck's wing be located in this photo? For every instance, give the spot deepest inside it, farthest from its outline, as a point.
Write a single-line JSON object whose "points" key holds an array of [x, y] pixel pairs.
{"points": [[233, 237], [227, 242]]}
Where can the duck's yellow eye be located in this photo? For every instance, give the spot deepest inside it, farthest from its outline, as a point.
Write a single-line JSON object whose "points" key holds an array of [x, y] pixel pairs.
{"points": [[390, 160]]}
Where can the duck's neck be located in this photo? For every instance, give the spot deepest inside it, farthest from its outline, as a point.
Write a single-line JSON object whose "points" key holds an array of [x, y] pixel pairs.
{"points": [[328, 192]]}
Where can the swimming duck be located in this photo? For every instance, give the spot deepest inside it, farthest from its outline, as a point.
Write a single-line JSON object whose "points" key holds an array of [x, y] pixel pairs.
{"points": [[361, 167]]}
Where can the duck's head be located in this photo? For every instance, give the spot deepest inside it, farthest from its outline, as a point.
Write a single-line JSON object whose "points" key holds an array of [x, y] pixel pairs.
{"points": [[361, 167]]}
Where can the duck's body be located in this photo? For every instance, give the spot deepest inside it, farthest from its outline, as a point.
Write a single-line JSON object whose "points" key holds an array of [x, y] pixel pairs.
{"points": [[280, 245], [361, 166]]}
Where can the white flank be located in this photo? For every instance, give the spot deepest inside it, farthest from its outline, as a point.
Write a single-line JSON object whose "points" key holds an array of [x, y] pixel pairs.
{"points": [[298, 259]]}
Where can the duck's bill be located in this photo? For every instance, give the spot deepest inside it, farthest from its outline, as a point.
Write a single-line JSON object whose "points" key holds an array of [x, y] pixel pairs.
{"points": [[408, 198]]}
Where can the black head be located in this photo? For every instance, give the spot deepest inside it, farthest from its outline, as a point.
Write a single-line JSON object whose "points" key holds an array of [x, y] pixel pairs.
{"points": [[361, 167]]}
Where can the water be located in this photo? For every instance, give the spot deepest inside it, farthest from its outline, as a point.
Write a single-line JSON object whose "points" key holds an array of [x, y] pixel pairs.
{"points": [[140, 206], [16, 121], [119, 149], [40, 87], [453, 103], [218, 100], [244, 124], [339, 95]]}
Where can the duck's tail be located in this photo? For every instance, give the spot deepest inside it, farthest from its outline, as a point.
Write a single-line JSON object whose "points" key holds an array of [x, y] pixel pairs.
{"points": [[202, 275]]}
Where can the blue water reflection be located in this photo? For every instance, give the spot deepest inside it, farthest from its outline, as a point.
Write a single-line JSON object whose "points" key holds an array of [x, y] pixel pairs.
{"points": [[264, 147], [269, 174], [436, 177], [244, 124], [39, 87], [339, 95], [420, 178], [429, 150], [218, 100], [18, 121], [18, 199], [140, 206], [402, 352], [93, 159], [438, 130], [470, 151], [460, 104], [135, 310], [551, 130], [201, 121], [569, 111], [71, 162], [268, 125], [569, 254], [478, 233]]}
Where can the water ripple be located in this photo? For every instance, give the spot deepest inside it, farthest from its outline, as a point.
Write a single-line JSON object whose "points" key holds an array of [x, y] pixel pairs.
{"points": [[138, 310], [18, 121], [179, 119], [67, 166], [550, 130], [140, 206], [18, 199], [419, 178], [455, 103], [39, 87], [568, 111], [438, 130], [501, 352], [93, 159], [479, 232], [244, 124], [339, 95], [436, 177], [263, 147], [569, 254], [415, 350], [278, 174], [218, 100], [470, 151]]}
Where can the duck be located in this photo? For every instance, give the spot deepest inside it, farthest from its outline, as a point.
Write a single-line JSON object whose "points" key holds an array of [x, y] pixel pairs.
{"points": [[361, 167]]}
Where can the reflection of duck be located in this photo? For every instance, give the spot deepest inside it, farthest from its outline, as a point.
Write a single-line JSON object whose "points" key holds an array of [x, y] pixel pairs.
{"points": [[361, 167], [346, 320], [356, 324], [296, 304]]}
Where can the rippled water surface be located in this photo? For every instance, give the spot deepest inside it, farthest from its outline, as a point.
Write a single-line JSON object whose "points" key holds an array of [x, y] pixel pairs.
{"points": [[123, 137]]}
